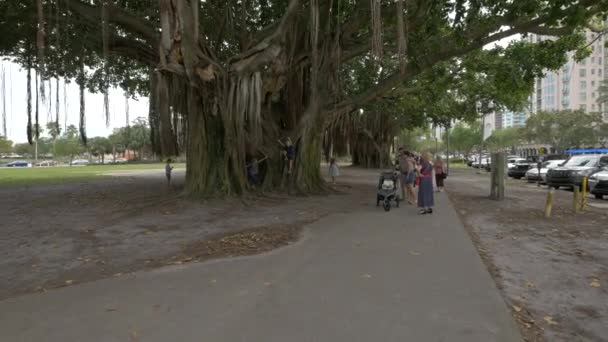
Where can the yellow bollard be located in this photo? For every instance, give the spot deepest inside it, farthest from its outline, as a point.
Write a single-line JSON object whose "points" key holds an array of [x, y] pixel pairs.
{"points": [[575, 199], [584, 195], [549, 205]]}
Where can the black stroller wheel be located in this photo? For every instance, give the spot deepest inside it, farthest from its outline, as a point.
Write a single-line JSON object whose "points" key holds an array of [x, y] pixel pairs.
{"points": [[387, 205]]}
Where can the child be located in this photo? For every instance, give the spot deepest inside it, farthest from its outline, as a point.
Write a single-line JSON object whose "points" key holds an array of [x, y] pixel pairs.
{"points": [[168, 169], [334, 171], [254, 172]]}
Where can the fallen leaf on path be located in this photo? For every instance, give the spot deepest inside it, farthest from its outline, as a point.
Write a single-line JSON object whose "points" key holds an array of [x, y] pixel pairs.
{"points": [[414, 253], [595, 283], [134, 335], [530, 285], [550, 320], [516, 308]]}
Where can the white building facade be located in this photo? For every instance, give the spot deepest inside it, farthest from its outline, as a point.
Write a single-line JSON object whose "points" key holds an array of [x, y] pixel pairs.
{"points": [[575, 85]]}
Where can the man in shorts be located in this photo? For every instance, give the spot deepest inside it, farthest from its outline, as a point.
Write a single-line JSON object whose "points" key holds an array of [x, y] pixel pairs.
{"points": [[403, 171], [407, 165]]}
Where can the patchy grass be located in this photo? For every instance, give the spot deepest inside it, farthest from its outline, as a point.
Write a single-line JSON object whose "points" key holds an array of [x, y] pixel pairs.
{"points": [[22, 176]]}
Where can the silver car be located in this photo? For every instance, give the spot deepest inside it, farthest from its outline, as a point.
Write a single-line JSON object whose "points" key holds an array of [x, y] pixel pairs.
{"points": [[598, 184], [532, 175]]}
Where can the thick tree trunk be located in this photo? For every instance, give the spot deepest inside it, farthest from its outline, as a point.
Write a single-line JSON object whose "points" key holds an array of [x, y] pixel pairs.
{"points": [[368, 154], [308, 178], [211, 167]]}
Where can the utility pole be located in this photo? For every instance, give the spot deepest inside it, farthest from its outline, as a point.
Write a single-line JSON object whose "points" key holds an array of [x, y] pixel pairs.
{"points": [[483, 124], [447, 142], [489, 106]]}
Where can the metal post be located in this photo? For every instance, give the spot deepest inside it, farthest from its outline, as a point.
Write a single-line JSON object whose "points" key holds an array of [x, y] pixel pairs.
{"points": [[575, 199], [584, 194], [549, 204], [539, 165], [483, 127]]}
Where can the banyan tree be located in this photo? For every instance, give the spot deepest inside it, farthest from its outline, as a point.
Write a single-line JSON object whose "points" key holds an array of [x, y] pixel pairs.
{"points": [[228, 79]]}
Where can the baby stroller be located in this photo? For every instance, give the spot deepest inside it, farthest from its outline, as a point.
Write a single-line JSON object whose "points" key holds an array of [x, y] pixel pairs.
{"points": [[387, 190]]}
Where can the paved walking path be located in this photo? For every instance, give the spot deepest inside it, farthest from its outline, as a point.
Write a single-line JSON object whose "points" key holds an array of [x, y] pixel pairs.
{"points": [[368, 276]]}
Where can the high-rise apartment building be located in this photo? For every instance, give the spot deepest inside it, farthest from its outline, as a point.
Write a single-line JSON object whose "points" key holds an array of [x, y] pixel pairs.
{"points": [[575, 85], [514, 119]]}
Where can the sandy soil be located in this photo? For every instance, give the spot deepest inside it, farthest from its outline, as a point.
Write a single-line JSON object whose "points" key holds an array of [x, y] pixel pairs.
{"points": [[58, 235], [553, 272]]}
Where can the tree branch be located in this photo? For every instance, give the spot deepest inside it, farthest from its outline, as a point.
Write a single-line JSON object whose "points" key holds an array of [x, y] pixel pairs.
{"points": [[248, 60], [118, 16], [134, 49]]}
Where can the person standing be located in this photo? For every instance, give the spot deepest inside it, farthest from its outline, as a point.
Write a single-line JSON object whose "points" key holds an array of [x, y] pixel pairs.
{"points": [[440, 174], [289, 152], [403, 169], [253, 172], [426, 201], [410, 178], [334, 171], [168, 170]]}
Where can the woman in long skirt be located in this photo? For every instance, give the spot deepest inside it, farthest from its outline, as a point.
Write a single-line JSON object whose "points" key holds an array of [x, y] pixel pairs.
{"points": [[426, 202]]}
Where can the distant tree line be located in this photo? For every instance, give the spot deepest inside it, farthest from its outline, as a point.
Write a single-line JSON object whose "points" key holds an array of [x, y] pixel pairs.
{"points": [[67, 145]]}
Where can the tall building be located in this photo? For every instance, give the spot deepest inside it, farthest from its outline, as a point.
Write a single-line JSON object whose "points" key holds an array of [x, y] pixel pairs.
{"points": [[514, 119], [575, 85]]}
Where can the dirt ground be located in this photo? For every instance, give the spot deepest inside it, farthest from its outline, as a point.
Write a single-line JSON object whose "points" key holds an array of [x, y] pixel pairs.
{"points": [[552, 272], [59, 235]]}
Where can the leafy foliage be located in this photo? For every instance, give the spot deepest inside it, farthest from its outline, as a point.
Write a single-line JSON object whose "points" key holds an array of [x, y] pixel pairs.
{"points": [[565, 129], [99, 147], [234, 76], [6, 146], [465, 137], [68, 145], [504, 138]]}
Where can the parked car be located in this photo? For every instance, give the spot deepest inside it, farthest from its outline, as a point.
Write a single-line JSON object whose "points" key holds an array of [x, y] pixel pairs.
{"points": [[574, 169], [520, 167], [18, 163], [47, 163], [598, 184], [532, 175], [512, 161], [485, 160], [79, 162], [120, 161]]}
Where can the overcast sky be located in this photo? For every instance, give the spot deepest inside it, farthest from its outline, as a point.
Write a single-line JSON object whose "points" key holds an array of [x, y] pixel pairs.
{"points": [[16, 106]]}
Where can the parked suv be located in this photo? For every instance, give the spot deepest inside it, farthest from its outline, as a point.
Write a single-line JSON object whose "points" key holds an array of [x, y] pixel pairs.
{"points": [[534, 176], [519, 169], [598, 182], [576, 167]]}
